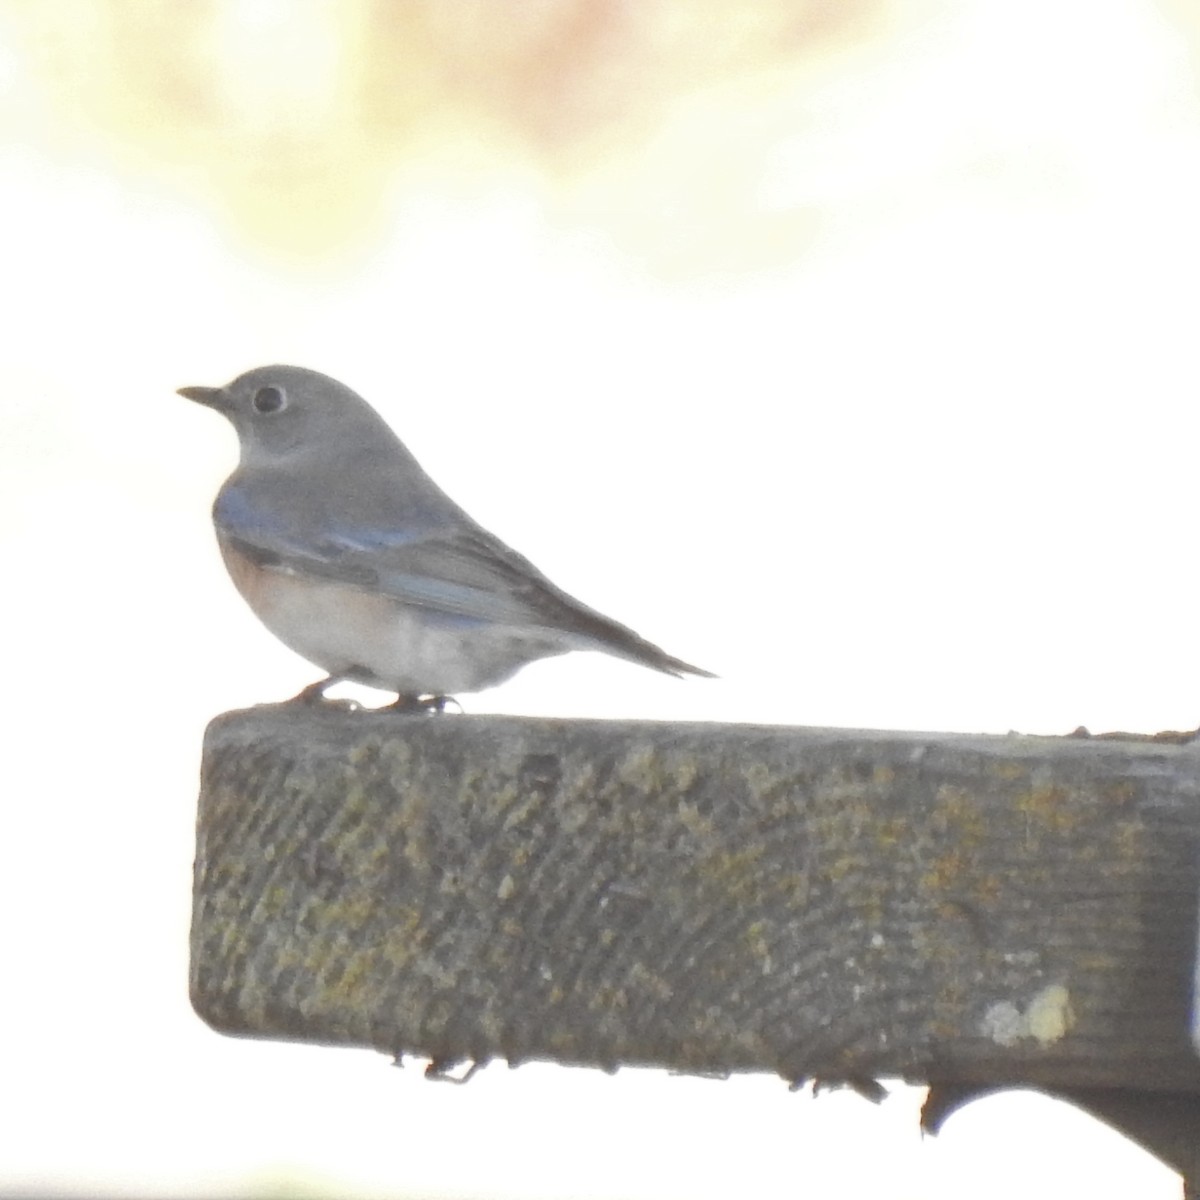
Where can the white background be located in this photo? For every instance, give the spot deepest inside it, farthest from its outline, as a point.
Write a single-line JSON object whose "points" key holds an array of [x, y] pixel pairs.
{"points": [[865, 377]]}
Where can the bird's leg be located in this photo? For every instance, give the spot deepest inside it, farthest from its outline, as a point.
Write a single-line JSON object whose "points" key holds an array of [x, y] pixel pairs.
{"points": [[315, 692]]}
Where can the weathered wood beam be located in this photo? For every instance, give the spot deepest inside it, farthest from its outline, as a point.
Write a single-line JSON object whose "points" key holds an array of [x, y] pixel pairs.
{"points": [[707, 898]]}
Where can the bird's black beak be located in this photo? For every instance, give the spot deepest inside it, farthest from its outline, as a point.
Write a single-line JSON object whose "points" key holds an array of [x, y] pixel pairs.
{"points": [[209, 396]]}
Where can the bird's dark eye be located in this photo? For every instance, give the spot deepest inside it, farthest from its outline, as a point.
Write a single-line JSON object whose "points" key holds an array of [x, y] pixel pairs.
{"points": [[269, 400]]}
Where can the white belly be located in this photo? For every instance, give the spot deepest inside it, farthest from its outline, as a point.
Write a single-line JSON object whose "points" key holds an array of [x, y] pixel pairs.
{"points": [[372, 638]]}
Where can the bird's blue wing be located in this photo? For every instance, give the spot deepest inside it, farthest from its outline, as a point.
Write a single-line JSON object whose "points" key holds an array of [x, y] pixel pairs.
{"points": [[453, 569], [457, 569]]}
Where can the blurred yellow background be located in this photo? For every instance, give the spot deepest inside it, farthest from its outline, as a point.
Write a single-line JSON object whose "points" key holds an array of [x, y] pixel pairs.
{"points": [[295, 122]]}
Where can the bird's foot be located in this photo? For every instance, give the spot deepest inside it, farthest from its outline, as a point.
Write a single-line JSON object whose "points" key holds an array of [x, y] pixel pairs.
{"points": [[315, 694], [423, 704]]}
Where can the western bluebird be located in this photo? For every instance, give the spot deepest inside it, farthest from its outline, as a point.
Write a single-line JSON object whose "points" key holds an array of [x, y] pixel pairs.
{"points": [[352, 556]]}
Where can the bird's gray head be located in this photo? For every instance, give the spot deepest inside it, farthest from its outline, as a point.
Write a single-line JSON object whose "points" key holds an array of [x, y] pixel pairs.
{"points": [[280, 412]]}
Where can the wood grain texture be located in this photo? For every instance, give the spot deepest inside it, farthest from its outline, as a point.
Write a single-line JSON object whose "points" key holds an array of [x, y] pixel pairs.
{"points": [[708, 898]]}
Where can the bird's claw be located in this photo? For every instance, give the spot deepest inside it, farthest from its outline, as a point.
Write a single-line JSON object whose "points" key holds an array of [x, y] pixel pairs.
{"points": [[314, 694]]}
